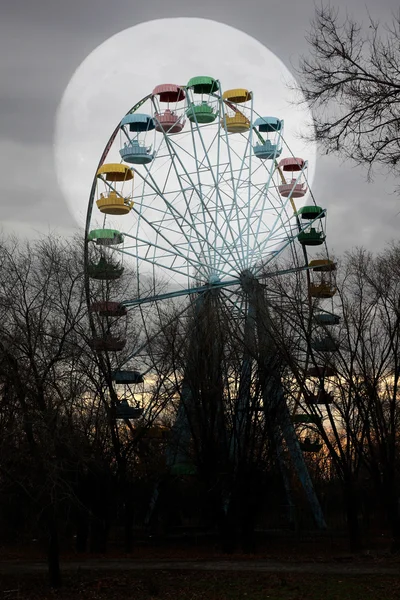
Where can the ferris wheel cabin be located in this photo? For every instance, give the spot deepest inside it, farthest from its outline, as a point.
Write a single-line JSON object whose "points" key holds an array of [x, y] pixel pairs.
{"points": [[272, 146], [108, 309], [168, 121], [309, 445], [106, 237], [322, 265], [326, 319], [135, 151], [235, 121], [321, 371], [322, 290], [107, 343], [312, 237], [104, 270], [322, 397], [127, 377], [112, 200], [326, 344], [123, 410], [305, 419], [201, 112], [311, 212], [295, 188]]}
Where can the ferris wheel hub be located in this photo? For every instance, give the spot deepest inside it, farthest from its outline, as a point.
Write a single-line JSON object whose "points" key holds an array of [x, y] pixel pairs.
{"points": [[214, 279], [248, 281]]}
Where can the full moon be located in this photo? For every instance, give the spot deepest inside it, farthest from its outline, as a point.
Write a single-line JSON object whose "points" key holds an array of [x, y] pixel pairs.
{"points": [[130, 64]]}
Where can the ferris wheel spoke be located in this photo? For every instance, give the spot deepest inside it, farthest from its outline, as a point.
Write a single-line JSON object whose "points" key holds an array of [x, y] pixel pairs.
{"points": [[214, 189], [203, 208], [171, 247], [231, 152], [200, 163], [237, 302], [204, 205], [260, 204], [276, 231], [178, 218], [155, 261], [274, 255], [180, 293], [201, 203], [137, 351]]}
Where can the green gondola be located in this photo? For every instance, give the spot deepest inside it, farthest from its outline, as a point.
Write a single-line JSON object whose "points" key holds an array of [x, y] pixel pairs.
{"points": [[311, 237]]}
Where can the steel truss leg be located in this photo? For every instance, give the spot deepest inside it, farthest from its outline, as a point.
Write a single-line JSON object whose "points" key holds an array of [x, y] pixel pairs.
{"points": [[242, 408], [177, 454], [275, 407], [203, 346], [181, 433]]}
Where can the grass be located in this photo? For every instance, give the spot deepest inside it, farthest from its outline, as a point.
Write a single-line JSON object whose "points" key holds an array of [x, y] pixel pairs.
{"points": [[190, 585]]}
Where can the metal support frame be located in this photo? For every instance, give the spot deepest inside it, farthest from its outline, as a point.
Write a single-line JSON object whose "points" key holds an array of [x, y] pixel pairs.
{"points": [[217, 228], [274, 402]]}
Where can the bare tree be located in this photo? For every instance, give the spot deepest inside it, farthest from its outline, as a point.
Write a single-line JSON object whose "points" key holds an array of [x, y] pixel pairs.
{"points": [[348, 387], [41, 305], [351, 80], [377, 371]]}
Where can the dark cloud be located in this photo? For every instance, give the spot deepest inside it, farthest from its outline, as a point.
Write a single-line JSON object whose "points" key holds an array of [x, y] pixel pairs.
{"points": [[43, 41]]}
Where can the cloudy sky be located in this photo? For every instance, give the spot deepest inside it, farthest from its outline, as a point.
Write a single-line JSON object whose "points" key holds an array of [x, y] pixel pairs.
{"points": [[42, 42]]}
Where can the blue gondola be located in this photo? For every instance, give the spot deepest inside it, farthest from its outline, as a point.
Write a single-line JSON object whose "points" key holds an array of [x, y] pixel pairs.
{"points": [[271, 148], [267, 150], [327, 319], [127, 377], [325, 345], [124, 411], [268, 124], [138, 122], [134, 151]]}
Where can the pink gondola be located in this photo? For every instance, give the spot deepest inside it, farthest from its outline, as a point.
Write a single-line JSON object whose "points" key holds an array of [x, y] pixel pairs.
{"points": [[107, 343], [291, 188], [108, 309], [168, 122], [169, 92], [291, 164]]}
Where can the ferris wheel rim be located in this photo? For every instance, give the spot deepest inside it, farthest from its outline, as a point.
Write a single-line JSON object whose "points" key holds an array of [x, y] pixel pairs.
{"points": [[226, 279], [104, 155]]}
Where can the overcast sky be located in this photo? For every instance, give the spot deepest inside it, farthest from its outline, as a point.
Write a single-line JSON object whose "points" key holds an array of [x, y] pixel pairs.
{"points": [[42, 42]]}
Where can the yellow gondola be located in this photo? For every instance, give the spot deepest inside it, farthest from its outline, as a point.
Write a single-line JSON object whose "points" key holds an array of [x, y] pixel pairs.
{"points": [[237, 95], [113, 204], [236, 124], [322, 290], [322, 264], [112, 201], [115, 172]]}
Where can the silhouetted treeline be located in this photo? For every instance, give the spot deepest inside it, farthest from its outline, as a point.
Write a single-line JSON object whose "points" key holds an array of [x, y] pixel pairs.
{"points": [[72, 474]]}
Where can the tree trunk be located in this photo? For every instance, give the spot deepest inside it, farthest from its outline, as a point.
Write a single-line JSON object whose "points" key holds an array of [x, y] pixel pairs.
{"points": [[353, 526], [98, 535], [128, 525], [248, 505], [53, 554], [247, 537], [82, 532], [227, 529], [393, 513]]}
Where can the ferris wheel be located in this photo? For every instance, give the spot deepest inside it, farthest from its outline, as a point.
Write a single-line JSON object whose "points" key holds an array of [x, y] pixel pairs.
{"points": [[196, 191], [206, 198]]}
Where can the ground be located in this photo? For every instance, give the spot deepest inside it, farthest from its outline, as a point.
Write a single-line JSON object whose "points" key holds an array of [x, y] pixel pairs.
{"points": [[308, 570], [99, 584]]}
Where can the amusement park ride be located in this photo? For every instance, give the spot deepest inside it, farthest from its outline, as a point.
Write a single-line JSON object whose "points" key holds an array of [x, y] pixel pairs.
{"points": [[212, 210]]}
